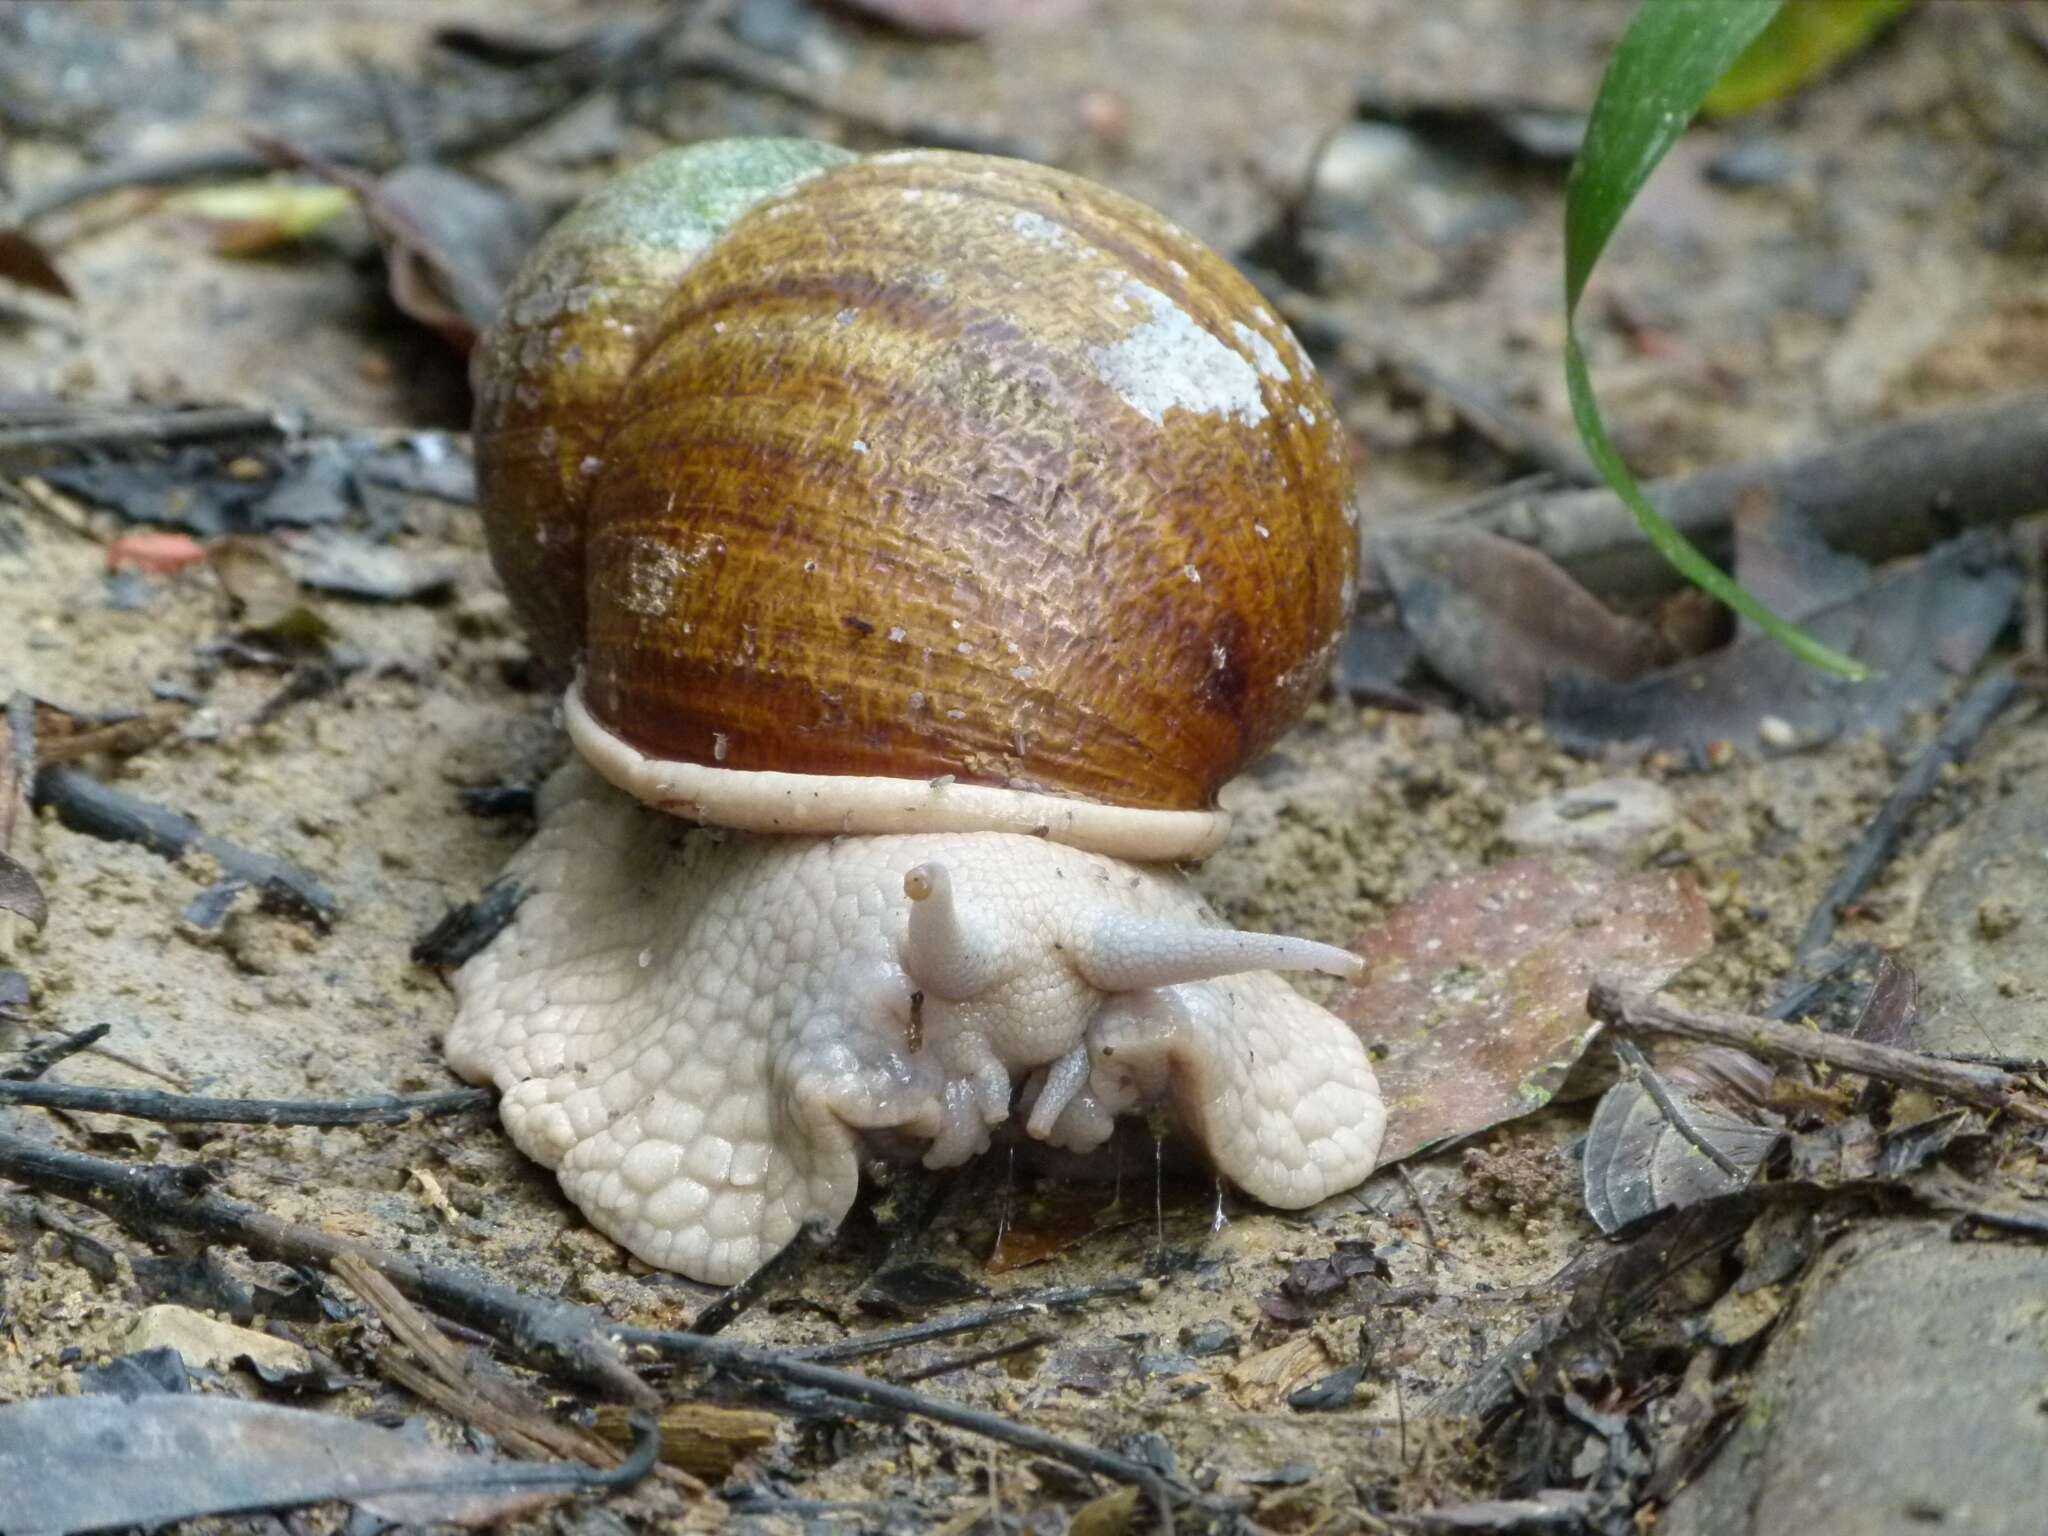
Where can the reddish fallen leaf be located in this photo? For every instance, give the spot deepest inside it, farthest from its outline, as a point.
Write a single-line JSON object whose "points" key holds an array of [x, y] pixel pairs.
{"points": [[1475, 1002], [27, 263], [970, 18], [154, 552]]}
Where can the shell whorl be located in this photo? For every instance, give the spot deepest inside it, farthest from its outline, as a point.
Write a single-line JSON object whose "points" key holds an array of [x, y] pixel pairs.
{"points": [[940, 467]]}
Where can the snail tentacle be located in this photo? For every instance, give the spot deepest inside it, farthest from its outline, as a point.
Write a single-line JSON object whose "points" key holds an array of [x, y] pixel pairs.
{"points": [[1124, 952], [946, 952]]}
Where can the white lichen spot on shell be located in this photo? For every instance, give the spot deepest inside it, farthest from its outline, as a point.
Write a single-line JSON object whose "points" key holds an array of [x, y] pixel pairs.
{"points": [[1169, 362], [1263, 352]]}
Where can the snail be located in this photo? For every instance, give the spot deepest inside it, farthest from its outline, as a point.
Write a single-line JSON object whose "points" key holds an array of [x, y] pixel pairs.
{"points": [[924, 539]]}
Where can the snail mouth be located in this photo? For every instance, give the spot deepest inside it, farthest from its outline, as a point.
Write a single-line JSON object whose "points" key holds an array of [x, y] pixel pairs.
{"points": [[828, 805]]}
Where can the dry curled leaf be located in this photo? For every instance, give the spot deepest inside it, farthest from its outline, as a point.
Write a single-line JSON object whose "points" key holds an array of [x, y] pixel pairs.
{"points": [[25, 262]]}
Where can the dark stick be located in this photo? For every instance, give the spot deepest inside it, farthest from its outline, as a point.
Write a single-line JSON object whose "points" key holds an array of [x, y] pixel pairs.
{"points": [[1065, 1299], [1986, 1087], [553, 1335], [147, 1104], [762, 1365], [38, 1059], [1660, 1095], [99, 810], [1887, 491], [726, 1308], [172, 426], [971, 1359], [1968, 721]]}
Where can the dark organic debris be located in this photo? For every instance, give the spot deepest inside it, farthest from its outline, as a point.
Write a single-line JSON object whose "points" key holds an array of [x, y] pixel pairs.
{"points": [[176, 1109], [1918, 628], [99, 810], [74, 1464], [465, 930], [492, 800], [1474, 1003], [144, 1373], [1331, 1392], [1313, 1283]]}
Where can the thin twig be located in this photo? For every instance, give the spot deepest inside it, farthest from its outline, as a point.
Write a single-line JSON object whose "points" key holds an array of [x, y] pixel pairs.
{"points": [[148, 1104], [1967, 722], [148, 427], [1066, 1299], [1429, 1254], [1889, 490], [1660, 1095], [786, 1261], [99, 810], [39, 1058], [970, 1359], [1985, 1087], [748, 1363], [552, 1335]]}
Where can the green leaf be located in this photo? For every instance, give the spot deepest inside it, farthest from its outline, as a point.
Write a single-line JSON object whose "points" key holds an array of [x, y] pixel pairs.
{"points": [[1799, 44], [1662, 70]]}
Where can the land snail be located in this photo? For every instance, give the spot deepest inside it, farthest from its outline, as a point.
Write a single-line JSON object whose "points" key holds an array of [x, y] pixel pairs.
{"points": [[930, 537]]}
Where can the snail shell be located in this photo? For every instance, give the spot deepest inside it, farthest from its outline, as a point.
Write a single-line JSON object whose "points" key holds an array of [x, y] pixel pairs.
{"points": [[917, 467]]}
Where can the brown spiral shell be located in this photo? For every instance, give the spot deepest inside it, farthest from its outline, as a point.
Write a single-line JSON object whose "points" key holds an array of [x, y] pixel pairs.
{"points": [[929, 465]]}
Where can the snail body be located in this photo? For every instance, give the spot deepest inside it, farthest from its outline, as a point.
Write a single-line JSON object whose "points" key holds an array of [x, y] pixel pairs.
{"points": [[950, 530]]}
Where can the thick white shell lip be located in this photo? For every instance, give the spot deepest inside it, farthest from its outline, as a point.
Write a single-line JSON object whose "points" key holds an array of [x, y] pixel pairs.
{"points": [[828, 804]]}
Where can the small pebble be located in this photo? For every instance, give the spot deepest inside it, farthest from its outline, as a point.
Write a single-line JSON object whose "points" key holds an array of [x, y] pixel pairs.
{"points": [[1619, 819]]}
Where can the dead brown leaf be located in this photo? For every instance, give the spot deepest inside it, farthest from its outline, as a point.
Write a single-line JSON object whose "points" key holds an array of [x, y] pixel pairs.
{"points": [[25, 262], [1475, 1002]]}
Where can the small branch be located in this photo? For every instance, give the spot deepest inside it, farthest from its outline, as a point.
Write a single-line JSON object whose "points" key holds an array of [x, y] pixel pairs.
{"points": [[173, 1108], [971, 1359], [1889, 490], [1660, 1095], [38, 1059], [147, 427], [1966, 723], [552, 1335], [752, 1364], [1985, 1087], [99, 810], [450, 1378], [786, 1261], [931, 1330]]}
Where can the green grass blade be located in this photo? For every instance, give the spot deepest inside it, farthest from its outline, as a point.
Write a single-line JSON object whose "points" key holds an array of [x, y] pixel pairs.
{"points": [[1662, 70]]}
